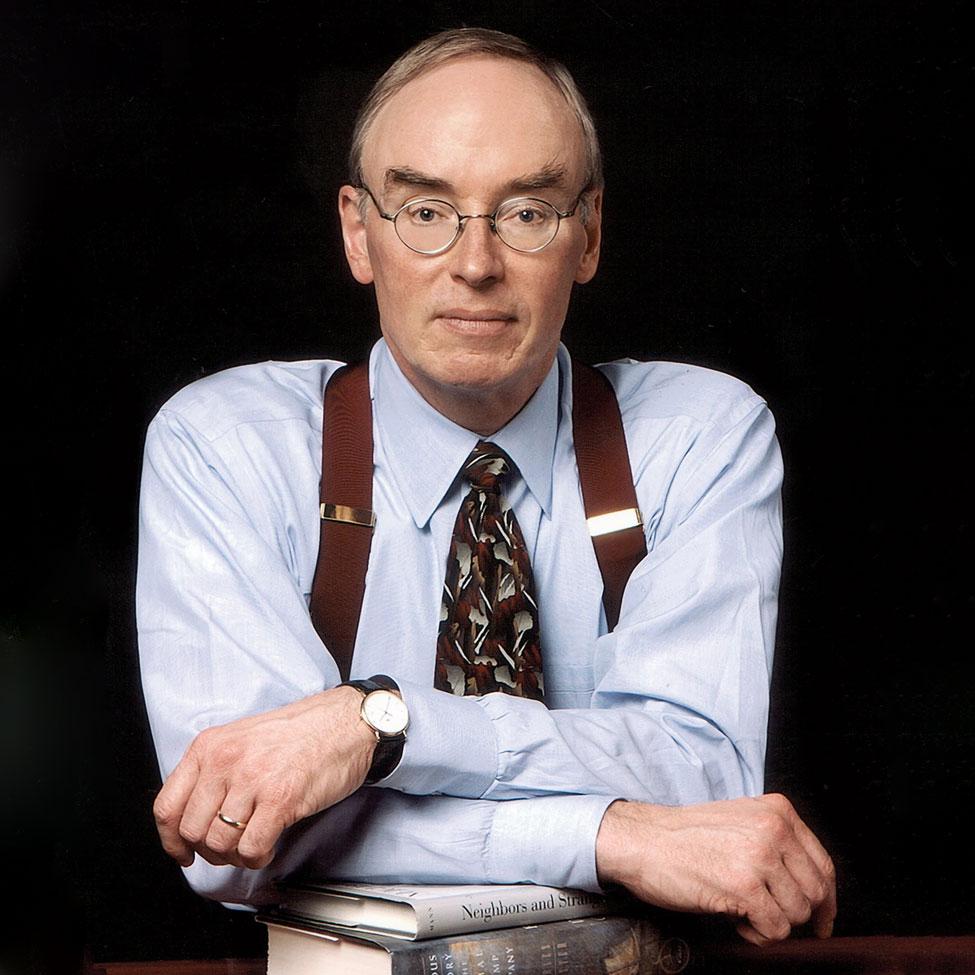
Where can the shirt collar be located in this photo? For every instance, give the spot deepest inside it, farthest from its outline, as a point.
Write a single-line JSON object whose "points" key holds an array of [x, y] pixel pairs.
{"points": [[425, 450]]}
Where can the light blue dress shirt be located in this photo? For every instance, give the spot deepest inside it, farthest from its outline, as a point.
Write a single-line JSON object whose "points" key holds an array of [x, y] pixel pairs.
{"points": [[671, 707]]}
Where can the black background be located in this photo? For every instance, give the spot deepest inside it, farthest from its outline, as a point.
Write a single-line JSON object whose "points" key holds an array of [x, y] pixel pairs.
{"points": [[786, 195]]}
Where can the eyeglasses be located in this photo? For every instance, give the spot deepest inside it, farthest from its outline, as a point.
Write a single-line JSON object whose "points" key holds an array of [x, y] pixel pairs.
{"points": [[431, 226]]}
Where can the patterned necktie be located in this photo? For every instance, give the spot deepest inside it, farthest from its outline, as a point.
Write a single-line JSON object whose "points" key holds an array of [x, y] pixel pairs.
{"points": [[488, 639]]}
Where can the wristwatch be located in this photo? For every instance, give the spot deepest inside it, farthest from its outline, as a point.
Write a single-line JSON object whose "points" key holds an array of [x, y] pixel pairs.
{"points": [[385, 712]]}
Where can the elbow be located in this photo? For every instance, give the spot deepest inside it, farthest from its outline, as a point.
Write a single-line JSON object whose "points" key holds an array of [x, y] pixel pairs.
{"points": [[736, 771], [710, 765]]}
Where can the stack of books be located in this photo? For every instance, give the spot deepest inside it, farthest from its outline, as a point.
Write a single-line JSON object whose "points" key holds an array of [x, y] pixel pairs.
{"points": [[514, 929]]}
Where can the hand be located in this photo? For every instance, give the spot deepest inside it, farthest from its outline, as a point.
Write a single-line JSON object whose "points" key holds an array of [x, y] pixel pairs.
{"points": [[751, 858], [268, 772]]}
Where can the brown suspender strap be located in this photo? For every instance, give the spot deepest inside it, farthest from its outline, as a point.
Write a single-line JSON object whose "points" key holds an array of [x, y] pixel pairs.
{"points": [[346, 500], [607, 483], [345, 512]]}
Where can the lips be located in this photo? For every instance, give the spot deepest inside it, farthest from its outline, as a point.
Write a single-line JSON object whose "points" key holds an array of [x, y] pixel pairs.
{"points": [[476, 315], [477, 324]]}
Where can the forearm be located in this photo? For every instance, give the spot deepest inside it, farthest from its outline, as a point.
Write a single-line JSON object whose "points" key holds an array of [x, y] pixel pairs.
{"points": [[504, 748], [382, 836]]}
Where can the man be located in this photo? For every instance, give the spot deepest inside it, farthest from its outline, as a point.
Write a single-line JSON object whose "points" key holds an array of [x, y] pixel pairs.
{"points": [[640, 768]]}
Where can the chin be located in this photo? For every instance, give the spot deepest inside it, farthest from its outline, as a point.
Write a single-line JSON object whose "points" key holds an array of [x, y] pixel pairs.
{"points": [[480, 376]]}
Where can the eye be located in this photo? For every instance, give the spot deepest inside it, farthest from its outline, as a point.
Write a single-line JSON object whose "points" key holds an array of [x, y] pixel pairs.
{"points": [[526, 214], [423, 213]]}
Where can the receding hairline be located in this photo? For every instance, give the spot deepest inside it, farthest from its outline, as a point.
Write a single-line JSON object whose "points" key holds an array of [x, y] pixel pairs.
{"points": [[474, 43], [556, 109]]}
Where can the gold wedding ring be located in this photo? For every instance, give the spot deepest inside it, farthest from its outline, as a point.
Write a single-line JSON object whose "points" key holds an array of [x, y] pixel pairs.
{"points": [[236, 823]]}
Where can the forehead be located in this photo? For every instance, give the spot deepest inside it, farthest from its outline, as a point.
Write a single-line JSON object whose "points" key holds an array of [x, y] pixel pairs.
{"points": [[479, 122]]}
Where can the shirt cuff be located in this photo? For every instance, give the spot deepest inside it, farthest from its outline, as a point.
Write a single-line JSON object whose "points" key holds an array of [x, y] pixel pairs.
{"points": [[554, 838], [451, 746]]}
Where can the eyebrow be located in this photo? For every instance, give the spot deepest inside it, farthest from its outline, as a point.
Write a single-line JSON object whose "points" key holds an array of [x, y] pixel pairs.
{"points": [[404, 176], [552, 175]]}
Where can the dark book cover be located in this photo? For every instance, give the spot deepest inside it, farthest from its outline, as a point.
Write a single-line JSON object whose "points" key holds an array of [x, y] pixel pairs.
{"points": [[585, 946]]}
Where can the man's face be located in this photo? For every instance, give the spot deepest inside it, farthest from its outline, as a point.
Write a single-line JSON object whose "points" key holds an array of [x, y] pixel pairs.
{"points": [[479, 323]]}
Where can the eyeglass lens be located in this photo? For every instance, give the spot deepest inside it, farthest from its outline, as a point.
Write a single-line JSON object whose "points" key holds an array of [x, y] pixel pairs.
{"points": [[431, 225]]}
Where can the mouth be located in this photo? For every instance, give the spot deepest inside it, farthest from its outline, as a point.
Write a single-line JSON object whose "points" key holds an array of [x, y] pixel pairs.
{"points": [[485, 321]]}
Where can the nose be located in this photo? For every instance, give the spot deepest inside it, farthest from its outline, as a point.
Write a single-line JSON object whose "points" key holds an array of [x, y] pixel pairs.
{"points": [[476, 256]]}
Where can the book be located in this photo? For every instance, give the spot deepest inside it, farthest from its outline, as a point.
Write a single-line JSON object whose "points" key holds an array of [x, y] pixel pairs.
{"points": [[584, 946], [419, 911]]}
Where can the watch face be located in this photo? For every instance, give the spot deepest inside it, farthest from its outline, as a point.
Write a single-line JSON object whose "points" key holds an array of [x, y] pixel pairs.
{"points": [[386, 712]]}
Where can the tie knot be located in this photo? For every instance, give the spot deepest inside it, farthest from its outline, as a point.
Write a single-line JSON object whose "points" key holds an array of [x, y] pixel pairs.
{"points": [[485, 467]]}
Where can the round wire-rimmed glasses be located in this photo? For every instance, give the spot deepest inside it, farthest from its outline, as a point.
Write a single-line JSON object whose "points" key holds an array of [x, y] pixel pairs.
{"points": [[430, 226]]}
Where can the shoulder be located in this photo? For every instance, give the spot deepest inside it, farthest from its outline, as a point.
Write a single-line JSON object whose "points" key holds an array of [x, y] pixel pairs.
{"points": [[684, 421], [259, 394], [677, 392], [699, 441]]}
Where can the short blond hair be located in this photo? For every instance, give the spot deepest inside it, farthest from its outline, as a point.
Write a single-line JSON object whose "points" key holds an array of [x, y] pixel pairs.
{"points": [[467, 42]]}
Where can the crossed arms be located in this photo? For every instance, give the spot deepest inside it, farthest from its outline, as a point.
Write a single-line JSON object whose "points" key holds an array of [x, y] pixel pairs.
{"points": [[234, 674]]}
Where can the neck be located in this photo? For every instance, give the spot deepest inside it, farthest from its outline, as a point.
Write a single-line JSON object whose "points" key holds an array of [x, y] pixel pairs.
{"points": [[482, 409], [483, 412]]}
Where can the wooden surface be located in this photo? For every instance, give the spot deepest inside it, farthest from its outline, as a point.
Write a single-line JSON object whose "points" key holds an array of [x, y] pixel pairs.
{"points": [[225, 966], [841, 956], [837, 956]]}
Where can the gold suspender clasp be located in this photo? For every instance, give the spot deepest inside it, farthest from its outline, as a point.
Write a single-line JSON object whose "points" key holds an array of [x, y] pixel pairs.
{"points": [[614, 521], [347, 515]]}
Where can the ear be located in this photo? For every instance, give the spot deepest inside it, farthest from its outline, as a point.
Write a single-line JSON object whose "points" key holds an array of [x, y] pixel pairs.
{"points": [[354, 235], [593, 228]]}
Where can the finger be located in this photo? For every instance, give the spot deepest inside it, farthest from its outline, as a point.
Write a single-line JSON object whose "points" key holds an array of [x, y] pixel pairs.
{"points": [[818, 887], [255, 848], [767, 918], [824, 915], [201, 809], [750, 934], [169, 806], [824, 905], [789, 894], [223, 837]]}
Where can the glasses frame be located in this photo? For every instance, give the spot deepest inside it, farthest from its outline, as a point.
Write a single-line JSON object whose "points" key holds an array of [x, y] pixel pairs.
{"points": [[462, 219]]}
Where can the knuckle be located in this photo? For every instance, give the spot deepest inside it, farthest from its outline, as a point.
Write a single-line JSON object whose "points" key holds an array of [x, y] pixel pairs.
{"points": [[252, 854], [203, 741], [803, 912], [163, 812], [753, 888], [822, 892], [218, 843], [779, 833], [192, 836], [773, 827], [746, 884], [829, 869], [779, 802], [224, 753]]}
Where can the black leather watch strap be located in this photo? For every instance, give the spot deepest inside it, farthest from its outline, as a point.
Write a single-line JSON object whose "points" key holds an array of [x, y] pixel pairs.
{"points": [[378, 682], [389, 748]]}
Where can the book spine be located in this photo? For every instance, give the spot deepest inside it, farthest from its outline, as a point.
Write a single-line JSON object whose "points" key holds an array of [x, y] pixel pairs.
{"points": [[460, 914], [628, 946]]}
